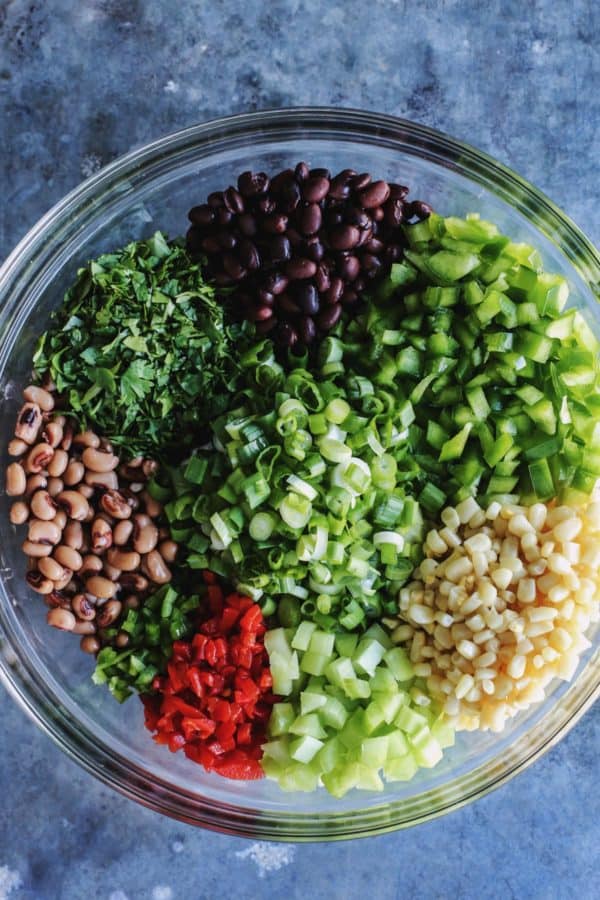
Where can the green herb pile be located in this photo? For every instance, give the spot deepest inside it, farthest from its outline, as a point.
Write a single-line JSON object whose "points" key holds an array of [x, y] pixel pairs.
{"points": [[141, 349]]}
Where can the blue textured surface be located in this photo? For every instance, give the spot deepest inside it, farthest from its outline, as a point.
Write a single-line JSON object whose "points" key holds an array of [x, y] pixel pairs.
{"points": [[81, 83]]}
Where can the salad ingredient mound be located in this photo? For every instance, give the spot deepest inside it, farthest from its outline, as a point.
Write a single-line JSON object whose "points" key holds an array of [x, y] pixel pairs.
{"points": [[353, 707], [500, 605], [320, 486], [140, 348], [215, 700], [300, 247], [303, 494]]}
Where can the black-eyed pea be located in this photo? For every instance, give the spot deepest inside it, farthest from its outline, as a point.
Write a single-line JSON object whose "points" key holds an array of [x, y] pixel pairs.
{"points": [[86, 628], [90, 645], [101, 535], [109, 613], [86, 439], [19, 513], [74, 473], [82, 607], [67, 438], [43, 506], [42, 532], [101, 587], [28, 424], [35, 550], [145, 535], [122, 640], [149, 467], [74, 504], [68, 557], [16, 480], [154, 566], [62, 619], [52, 569], [133, 581], [115, 504], [57, 599], [131, 601], [17, 447], [38, 458], [35, 394], [91, 565], [39, 583], [60, 518], [53, 433], [111, 571], [35, 483], [168, 550], [86, 490], [55, 486], [63, 582], [122, 532], [73, 534], [153, 507], [58, 463], [126, 561], [106, 480], [99, 461]]}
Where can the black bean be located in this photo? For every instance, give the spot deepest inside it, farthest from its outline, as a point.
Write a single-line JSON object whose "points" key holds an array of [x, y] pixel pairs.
{"points": [[223, 279], [393, 211], [392, 253], [374, 245], [215, 199], [301, 171], [359, 285], [284, 177], [300, 268], [233, 267], [333, 217], [344, 237], [315, 188], [211, 245], [315, 251], [310, 218], [358, 182], [377, 214], [349, 267], [234, 201], [279, 248], [247, 224], [286, 334], [307, 298], [202, 215], [267, 325], [320, 173], [262, 313], [306, 330], [223, 216], [275, 283], [294, 237], [266, 205], [289, 197], [248, 254], [349, 298], [266, 297], [358, 217], [374, 195], [370, 264], [250, 184], [398, 191], [420, 209], [322, 278], [329, 317], [335, 291], [226, 240], [275, 224]]}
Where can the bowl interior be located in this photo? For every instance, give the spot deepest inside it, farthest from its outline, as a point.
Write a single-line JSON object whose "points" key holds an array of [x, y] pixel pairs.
{"points": [[155, 193]]}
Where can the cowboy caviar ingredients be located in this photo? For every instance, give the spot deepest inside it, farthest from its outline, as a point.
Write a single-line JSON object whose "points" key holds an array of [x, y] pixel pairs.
{"points": [[352, 707], [304, 494], [504, 383], [216, 698], [500, 605], [140, 349], [301, 247]]}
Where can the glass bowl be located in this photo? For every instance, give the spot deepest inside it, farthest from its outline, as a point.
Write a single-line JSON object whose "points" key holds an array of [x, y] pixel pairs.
{"points": [[153, 188]]}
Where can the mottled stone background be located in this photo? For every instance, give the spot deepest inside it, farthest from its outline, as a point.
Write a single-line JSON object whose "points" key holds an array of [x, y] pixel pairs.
{"points": [[82, 81]]}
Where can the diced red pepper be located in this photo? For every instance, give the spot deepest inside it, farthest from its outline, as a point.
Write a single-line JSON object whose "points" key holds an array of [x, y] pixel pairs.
{"points": [[216, 698]]}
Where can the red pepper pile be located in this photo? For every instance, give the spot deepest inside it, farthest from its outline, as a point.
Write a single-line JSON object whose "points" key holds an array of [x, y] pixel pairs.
{"points": [[216, 699]]}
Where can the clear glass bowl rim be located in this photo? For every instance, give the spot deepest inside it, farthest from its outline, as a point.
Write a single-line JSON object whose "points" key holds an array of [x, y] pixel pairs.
{"points": [[34, 697]]}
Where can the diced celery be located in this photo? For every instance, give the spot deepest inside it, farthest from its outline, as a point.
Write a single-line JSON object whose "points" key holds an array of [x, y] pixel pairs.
{"points": [[280, 671], [377, 633], [345, 644], [401, 769], [277, 751], [305, 748], [390, 704], [298, 777], [356, 688], [374, 717], [383, 680], [397, 744], [321, 642], [331, 755], [314, 663], [368, 655], [410, 721], [302, 637], [333, 713], [353, 732], [342, 779], [282, 716], [426, 750], [443, 732], [309, 724], [310, 701], [399, 664], [339, 670], [374, 751], [368, 779]]}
